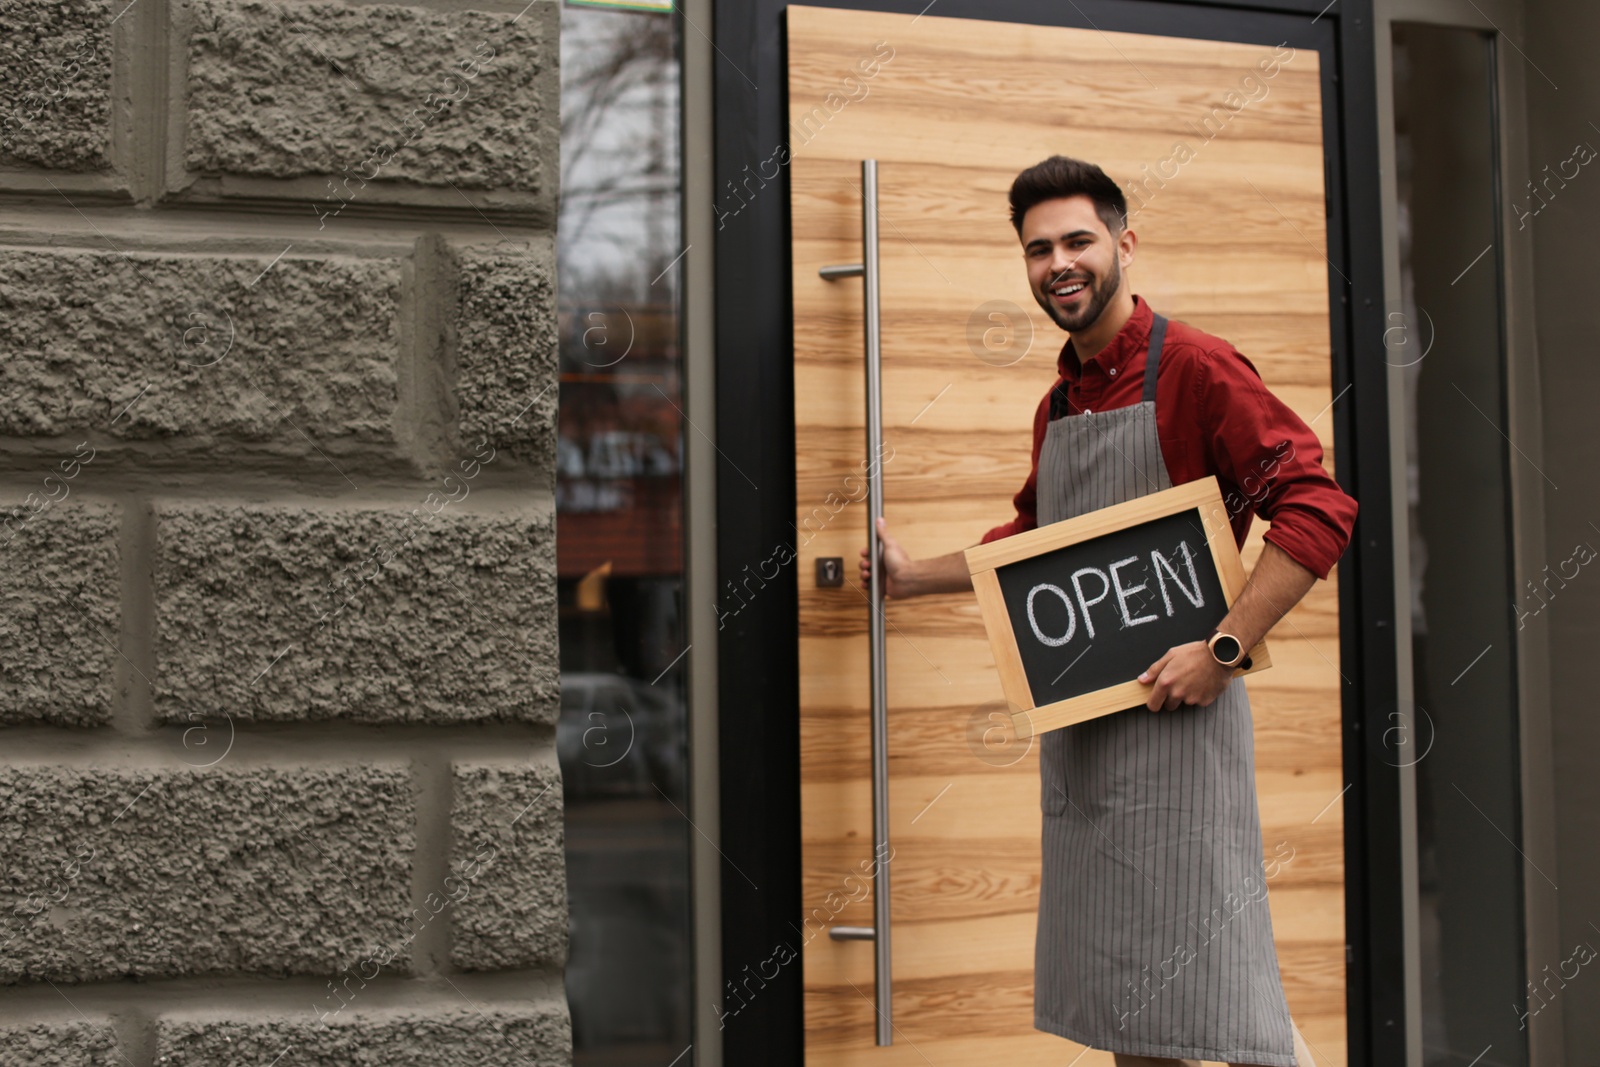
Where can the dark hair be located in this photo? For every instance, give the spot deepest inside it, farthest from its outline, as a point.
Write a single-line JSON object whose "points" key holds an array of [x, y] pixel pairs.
{"points": [[1061, 176]]}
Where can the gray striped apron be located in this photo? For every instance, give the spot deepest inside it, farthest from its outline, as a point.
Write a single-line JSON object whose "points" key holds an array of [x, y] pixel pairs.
{"points": [[1154, 937]]}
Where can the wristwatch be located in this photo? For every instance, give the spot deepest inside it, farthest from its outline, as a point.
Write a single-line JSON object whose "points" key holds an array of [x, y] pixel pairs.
{"points": [[1226, 650]]}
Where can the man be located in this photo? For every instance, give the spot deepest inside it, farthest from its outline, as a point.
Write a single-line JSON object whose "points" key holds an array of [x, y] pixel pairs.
{"points": [[1154, 939]]}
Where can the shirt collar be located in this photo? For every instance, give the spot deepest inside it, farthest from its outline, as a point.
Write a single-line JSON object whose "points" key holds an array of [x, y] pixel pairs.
{"points": [[1132, 339]]}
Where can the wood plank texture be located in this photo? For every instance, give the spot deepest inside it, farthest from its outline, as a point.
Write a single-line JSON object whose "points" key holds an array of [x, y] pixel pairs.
{"points": [[1233, 243]]}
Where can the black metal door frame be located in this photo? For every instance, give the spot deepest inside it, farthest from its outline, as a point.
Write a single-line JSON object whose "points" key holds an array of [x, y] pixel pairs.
{"points": [[758, 676]]}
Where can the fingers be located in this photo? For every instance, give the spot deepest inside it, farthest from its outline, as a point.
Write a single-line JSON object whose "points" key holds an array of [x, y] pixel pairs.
{"points": [[1165, 697], [883, 537], [866, 550], [883, 532], [1152, 673]]}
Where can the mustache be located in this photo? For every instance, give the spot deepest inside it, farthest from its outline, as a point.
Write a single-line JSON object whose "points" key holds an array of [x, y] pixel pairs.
{"points": [[1068, 276]]}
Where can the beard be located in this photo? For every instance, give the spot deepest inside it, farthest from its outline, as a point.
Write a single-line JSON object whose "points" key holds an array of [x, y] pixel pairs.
{"points": [[1099, 292]]}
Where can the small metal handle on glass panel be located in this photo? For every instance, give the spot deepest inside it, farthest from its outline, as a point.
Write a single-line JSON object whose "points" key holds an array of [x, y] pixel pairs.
{"points": [[878, 933]]}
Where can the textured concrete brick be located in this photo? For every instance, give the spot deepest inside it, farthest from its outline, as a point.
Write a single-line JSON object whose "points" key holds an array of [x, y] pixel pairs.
{"points": [[504, 349], [60, 597], [538, 1035], [281, 90], [67, 1044], [447, 617], [206, 350], [509, 868], [117, 873], [55, 84]]}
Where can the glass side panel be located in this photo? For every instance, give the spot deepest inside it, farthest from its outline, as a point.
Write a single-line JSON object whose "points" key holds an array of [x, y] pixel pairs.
{"points": [[1460, 729], [619, 494]]}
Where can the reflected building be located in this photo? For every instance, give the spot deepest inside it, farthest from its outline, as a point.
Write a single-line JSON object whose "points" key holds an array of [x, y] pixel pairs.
{"points": [[619, 497]]}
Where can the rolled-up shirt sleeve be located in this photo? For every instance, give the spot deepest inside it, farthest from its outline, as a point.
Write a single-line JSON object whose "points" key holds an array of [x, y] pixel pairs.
{"points": [[1273, 460], [1026, 499]]}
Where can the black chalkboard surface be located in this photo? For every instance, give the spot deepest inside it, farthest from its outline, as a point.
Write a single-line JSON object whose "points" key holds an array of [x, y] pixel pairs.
{"points": [[1077, 609], [1098, 612]]}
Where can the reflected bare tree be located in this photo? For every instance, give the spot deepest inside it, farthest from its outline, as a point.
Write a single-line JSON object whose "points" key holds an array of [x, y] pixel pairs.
{"points": [[619, 181]]}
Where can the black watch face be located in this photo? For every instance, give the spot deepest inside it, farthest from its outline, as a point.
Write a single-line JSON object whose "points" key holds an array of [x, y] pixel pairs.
{"points": [[1226, 649]]}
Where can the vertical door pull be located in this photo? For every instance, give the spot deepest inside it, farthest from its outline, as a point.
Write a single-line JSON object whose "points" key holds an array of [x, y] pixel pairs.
{"points": [[878, 933]]}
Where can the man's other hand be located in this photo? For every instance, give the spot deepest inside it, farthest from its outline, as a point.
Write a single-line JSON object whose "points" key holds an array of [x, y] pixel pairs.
{"points": [[1187, 674], [897, 566]]}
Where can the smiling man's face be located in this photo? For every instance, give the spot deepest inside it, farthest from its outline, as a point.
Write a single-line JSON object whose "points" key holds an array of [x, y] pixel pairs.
{"points": [[1074, 263]]}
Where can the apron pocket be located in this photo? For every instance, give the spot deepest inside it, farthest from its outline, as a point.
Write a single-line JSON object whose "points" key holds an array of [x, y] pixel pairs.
{"points": [[1053, 772]]}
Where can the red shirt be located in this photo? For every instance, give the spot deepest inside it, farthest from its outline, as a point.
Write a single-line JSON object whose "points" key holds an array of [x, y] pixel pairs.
{"points": [[1214, 415]]}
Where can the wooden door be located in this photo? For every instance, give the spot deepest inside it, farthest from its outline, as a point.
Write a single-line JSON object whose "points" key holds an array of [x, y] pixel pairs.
{"points": [[1232, 240]]}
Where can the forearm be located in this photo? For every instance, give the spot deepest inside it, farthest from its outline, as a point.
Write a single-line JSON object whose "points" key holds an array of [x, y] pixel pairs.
{"points": [[939, 574], [1275, 585]]}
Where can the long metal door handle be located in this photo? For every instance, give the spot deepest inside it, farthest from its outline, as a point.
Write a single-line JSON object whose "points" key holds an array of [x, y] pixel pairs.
{"points": [[872, 328]]}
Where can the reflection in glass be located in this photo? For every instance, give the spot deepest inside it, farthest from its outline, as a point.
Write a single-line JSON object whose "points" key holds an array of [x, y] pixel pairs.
{"points": [[621, 735], [1460, 732]]}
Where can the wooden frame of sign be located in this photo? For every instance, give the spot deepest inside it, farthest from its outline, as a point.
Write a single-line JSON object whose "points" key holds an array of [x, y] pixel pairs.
{"points": [[984, 562]]}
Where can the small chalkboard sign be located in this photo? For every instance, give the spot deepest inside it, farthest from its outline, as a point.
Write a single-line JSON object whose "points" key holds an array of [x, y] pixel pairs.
{"points": [[1077, 609]]}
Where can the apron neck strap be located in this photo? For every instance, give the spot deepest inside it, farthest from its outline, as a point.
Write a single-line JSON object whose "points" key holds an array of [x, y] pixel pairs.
{"points": [[1158, 335]]}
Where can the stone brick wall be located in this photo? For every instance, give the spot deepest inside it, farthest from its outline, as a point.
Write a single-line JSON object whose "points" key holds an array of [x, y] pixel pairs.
{"points": [[278, 645]]}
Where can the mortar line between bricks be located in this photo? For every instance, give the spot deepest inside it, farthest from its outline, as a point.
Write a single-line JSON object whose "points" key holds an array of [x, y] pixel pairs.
{"points": [[398, 495], [259, 746], [148, 126], [136, 1031], [427, 371], [133, 712], [259, 227], [435, 788], [236, 995], [112, 244]]}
